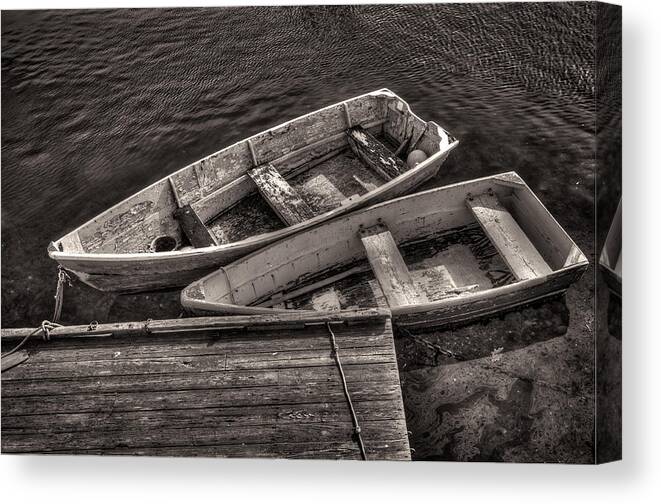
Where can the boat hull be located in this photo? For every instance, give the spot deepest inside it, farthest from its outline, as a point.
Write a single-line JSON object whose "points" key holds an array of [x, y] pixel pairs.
{"points": [[442, 315], [411, 219], [113, 251], [474, 309], [125, 274]]}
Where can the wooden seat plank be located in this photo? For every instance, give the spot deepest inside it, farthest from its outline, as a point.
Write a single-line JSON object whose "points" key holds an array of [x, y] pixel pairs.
{"points": [[508, 238], [374, 154], [389, 267], [281, 197], [195, 230]]}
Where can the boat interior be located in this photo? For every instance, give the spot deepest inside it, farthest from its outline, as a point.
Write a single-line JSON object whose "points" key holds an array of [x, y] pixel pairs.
{"points": [[301, 169], [425, 248]]}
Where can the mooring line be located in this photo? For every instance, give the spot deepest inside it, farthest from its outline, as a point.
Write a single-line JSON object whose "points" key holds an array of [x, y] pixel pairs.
{"points": [[62, 278], [354, 417], [46, 325]]}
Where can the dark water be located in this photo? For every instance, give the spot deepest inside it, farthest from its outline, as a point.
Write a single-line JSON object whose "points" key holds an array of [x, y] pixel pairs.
{"points": [[97, 104]]}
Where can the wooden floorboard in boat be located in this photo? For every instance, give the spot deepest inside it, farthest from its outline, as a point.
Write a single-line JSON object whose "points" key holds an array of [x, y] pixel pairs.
{"points": [[274, 393], [325, 186], [251, 216]]}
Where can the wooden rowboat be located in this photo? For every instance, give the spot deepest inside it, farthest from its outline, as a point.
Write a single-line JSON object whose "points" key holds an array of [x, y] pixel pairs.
{"points": [[610, 259], [262, 189], [437, 257]]}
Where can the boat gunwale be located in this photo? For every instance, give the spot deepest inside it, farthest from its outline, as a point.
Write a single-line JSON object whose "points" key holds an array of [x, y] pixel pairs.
{"points": [[494, 292], [581, 262], [273, 236]]}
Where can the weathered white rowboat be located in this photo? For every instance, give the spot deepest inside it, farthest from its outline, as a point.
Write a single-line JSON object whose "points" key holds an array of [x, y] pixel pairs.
{"points": [[262, 189], [610, 259], [437, 257]]}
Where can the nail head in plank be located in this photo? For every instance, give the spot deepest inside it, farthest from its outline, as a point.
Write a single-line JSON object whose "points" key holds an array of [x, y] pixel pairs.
{"points": [[508, 238]]}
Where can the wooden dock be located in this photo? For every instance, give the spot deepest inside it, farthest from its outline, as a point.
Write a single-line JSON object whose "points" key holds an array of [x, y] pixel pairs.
{"points": [[256, 386]]}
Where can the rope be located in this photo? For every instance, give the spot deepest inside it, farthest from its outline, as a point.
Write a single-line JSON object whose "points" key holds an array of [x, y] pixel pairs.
{"points": [[437, 348], [46, 327], [62, 278], [354, 418]]}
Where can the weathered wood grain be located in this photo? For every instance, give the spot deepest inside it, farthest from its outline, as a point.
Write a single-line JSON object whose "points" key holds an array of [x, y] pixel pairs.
{"points": [[480, 305], [507, 236], [281, 197], [223, 391], [399, 449], [156, 327], [373, 153], [200, 363], [214, 204], [14, 359], [193, 436], [284, 414], [130, 226], [171, 381], [389, 267]]}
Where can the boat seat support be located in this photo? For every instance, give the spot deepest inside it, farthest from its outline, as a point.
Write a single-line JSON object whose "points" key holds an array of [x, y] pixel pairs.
{"points": [[281, 197], [511, 242], [389, 267], [374, 153], [197, 233]]}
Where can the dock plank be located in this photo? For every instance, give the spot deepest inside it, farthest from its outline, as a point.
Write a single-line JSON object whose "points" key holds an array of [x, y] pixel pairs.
{"points": [[281, 197], [389, 267], [224, 393], [508, 238]]}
